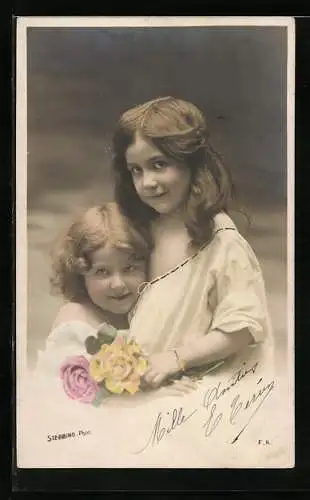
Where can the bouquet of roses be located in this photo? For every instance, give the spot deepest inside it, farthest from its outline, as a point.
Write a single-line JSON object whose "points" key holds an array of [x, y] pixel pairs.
{"points": [[113, 365]]}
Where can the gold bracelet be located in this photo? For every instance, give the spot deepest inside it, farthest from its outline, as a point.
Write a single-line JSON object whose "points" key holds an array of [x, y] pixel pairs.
{"points": [[180, 361]]}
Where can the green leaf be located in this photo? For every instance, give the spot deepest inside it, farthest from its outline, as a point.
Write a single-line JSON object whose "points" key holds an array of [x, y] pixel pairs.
{"points": [[102, 393], [92, 345], [106, 333]]}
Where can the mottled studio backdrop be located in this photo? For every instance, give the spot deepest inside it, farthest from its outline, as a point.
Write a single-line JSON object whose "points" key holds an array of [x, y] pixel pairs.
{"points": [[81, 79]]}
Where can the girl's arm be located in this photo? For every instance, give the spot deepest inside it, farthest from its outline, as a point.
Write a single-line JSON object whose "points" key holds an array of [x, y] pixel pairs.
{"points": [[71, 311], [215, 346]]}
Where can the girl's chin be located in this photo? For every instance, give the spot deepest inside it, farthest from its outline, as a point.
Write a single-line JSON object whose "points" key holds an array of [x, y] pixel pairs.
{"points": [[165, 210], [119, 312], [122, 308], [162, 208]]}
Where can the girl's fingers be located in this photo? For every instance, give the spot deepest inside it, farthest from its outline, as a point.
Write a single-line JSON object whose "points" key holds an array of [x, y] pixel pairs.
{"points": [[153, 378], [150, 374], [147, 370], [174, 391], [182, 390], [184, 386], [157, 380], [188, 382]]}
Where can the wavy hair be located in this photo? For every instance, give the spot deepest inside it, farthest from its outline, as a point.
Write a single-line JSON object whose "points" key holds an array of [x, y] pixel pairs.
{"points": [[178, 129], [91, 231]]}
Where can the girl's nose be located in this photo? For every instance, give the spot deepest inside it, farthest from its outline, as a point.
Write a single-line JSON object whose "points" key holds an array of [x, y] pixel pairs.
{"points": [[117, 283], [149, 180]]}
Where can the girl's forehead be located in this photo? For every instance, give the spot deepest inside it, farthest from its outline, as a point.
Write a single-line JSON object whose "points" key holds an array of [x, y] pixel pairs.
{"points": [[141, 148], [110, 255]]}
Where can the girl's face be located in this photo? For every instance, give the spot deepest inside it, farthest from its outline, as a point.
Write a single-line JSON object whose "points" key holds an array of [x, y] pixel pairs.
{"points": [[161, 182], [113, 280]]}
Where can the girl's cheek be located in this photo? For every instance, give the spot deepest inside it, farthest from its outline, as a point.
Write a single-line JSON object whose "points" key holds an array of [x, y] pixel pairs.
{"points": [[101, 286], [137, 184], [97, 286], [136, 280]]}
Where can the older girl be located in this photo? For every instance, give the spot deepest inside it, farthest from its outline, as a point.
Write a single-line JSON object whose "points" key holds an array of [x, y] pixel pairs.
{"points": [[204, 302]]}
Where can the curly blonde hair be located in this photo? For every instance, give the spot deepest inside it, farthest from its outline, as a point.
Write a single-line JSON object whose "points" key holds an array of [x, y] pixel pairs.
{"points": [[92, 230]]}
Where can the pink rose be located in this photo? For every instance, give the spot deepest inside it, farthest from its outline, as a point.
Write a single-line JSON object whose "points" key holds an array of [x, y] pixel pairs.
{"points": [[77, 382]]}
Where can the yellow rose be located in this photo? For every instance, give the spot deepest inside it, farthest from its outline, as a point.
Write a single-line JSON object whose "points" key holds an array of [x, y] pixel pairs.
{"points": [[120, 365]]}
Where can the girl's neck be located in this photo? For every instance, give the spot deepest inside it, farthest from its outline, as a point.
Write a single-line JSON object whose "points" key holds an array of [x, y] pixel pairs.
{"points": [[98, 316], [173, 220], [119, 321]]}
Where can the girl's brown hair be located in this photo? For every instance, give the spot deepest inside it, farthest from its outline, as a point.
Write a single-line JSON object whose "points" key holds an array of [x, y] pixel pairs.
{"points": [[89, 232], [178, 129]]}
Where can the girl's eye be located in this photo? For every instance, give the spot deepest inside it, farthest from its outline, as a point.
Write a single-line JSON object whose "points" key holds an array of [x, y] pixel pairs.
{"points": [[129, 268], [135, 170], [102, 272], [159, 164]]}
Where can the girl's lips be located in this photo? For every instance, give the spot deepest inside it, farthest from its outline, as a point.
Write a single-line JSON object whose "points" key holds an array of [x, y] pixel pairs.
{"points": [[155, 196], [122, 297]]}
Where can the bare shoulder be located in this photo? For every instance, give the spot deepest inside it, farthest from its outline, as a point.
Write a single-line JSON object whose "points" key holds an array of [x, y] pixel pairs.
{"points": [[71, 311]]}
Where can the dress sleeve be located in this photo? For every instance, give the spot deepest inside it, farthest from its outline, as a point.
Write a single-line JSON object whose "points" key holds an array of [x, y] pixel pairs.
{"points": [[67, 339], [241, 299]]}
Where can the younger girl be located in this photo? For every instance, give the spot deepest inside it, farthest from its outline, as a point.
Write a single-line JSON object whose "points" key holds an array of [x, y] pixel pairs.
{"points": [[99, 264], [205, 287]]}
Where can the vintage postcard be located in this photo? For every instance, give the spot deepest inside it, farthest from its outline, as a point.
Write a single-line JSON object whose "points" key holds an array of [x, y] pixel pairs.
{"points": [[154, 256]]}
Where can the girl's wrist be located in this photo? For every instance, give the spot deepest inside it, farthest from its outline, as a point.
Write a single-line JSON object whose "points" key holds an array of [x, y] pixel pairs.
{"points": [[180, 362]]}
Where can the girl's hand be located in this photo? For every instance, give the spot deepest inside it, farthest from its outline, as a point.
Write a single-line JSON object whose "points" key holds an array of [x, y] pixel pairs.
{"points": [[180, 387], [161, 366]]}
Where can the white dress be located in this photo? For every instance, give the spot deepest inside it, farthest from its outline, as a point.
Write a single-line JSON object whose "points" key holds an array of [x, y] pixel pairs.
{"points": [[218, 424], [221, 287]]}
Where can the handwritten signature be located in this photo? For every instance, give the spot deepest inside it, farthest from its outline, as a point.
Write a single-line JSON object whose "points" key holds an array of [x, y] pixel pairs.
{"points": [[165, 424], [239, 406]]}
